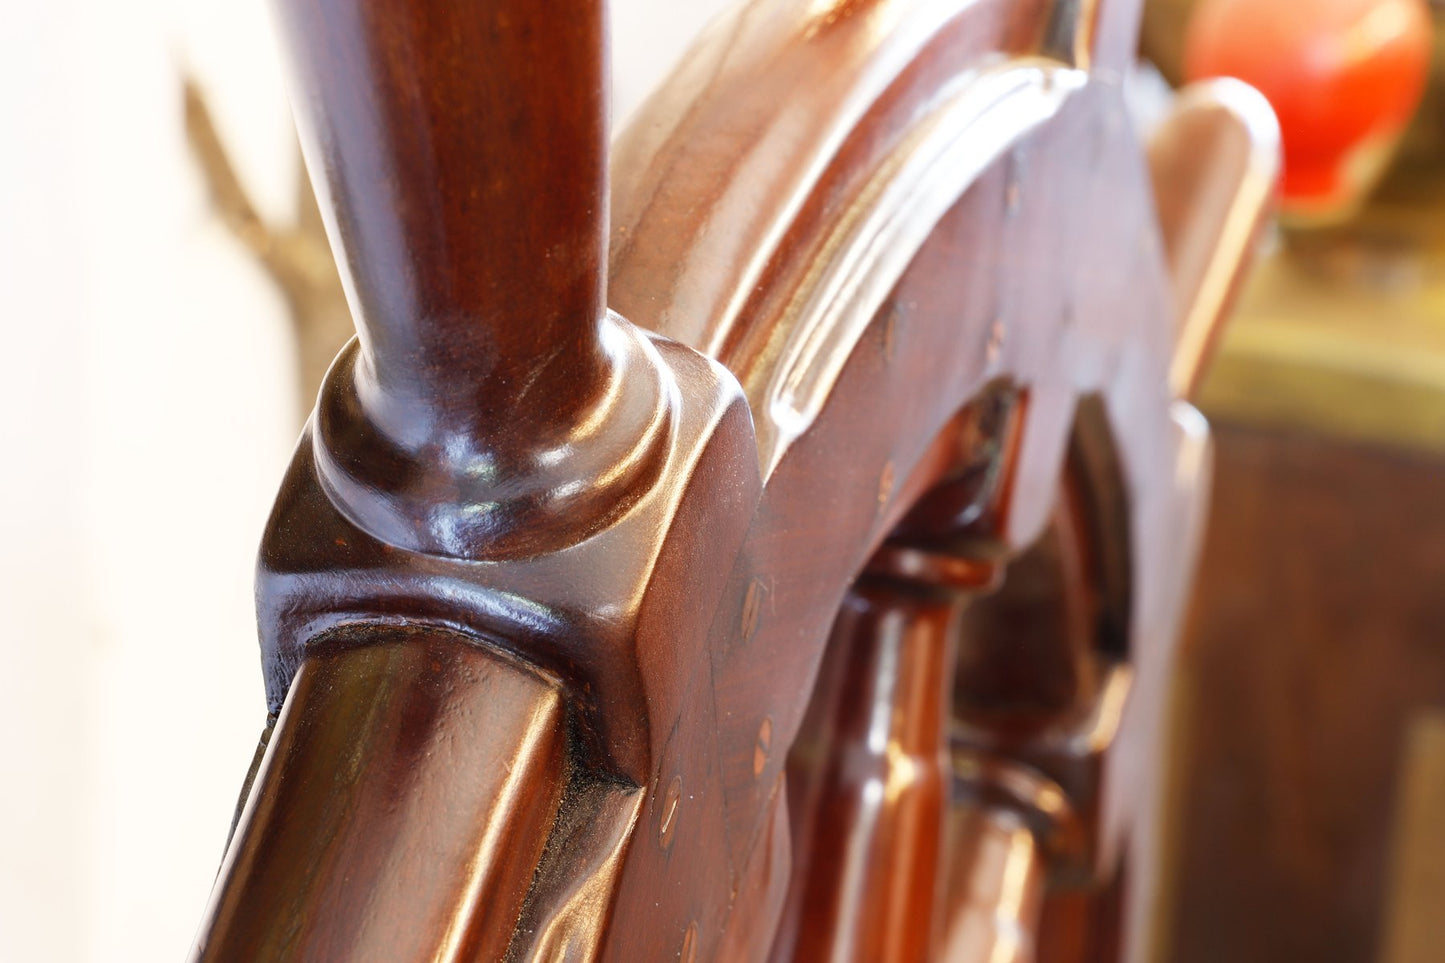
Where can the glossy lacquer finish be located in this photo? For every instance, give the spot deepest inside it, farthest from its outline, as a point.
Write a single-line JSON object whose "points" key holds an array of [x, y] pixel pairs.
{"points": [[870, 788], [997, 876], [537, 574], [1215, 161], [465, 193], [364, 807]]}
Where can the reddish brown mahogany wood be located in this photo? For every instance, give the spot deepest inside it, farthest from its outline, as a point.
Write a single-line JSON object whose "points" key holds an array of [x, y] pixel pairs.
{"points": [[870, 773], [867, 216], [960, 313], [996, 886], [400, 714], [566, 529], [1028, 689], [1215, 165], [869, 780], [489, 407]]}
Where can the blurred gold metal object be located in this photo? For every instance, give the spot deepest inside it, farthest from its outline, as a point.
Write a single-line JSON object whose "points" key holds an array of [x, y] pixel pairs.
{"points": [[1344, 333]]}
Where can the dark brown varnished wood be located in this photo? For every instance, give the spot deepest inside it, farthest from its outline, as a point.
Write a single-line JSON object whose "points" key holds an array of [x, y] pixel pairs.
{"points": [[997, 875], [870, 775], [358, 807], [560, 520], [966, 314], [465, 193], [1033, 699], [1215, 165], [843, 224], [869, 781]]}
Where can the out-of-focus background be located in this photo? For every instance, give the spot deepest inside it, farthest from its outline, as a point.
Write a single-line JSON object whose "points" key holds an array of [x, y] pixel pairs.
{"points": [[166, 308]]}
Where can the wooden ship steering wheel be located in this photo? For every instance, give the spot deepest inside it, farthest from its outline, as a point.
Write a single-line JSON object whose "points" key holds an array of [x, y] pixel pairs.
{"points": [[773, 551]]}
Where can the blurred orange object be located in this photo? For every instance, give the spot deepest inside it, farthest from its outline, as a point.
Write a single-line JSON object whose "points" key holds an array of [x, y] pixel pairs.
{"points": [[1344, 77]]}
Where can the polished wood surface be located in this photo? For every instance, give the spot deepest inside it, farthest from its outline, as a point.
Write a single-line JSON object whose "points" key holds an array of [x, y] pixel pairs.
{"points": [[998, 874], [869, 781], [1215, 165], [319, 840], [867, 258], [468, 212]]}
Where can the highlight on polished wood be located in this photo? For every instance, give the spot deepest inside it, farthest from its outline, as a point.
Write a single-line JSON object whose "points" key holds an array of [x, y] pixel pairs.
{"points": [[777, 555]]}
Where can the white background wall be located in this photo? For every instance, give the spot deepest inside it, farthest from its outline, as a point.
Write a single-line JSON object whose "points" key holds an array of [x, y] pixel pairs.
{"points": [[146, 412]]}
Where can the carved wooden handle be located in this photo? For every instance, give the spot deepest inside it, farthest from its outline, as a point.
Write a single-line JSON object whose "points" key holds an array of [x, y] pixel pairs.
{"points": [[395, 763], [1214, 163], [459, 151]]}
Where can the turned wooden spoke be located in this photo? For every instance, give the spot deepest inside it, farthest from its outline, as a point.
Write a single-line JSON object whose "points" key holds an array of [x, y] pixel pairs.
{"points": [[1215, 164], [490, 406], [459, 150]]}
